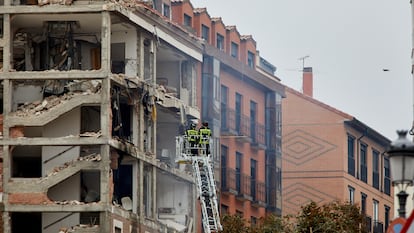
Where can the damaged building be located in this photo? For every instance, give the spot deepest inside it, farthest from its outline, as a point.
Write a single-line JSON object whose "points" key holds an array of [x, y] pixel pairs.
{"points": [[93, 95]]}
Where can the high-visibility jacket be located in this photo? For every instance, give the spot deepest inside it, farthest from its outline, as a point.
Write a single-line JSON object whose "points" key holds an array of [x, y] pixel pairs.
{"points": [[205, 134], [192, 135]]}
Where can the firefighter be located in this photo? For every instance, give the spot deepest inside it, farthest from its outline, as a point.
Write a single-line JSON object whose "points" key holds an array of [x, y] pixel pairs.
{"points": [[192, 138], [205, 135]]}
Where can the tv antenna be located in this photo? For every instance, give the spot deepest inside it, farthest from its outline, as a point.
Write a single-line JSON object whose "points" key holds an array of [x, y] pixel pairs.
{"points": [[303, 60]]}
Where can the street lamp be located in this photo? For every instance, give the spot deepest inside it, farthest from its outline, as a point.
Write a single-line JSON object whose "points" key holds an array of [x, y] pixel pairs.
{"points": [[401, 155]]}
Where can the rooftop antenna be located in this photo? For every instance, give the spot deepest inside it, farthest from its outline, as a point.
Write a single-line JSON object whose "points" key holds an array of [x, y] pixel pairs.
{"points": [[303, 61]]}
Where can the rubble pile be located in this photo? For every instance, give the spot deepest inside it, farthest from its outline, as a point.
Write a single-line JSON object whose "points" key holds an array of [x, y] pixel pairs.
{"points": [[91, 157], [80, 228], [74, 89]]}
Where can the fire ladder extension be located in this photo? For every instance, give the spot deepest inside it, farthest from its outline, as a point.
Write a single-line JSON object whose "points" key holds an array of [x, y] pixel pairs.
{"points": [[204, 178]]}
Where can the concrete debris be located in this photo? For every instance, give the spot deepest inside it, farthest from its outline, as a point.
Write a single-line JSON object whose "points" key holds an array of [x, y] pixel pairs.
{"points": [[38, 107], [61, 2], [71, 202], [80, 228], [91, 134], [92, 157]]}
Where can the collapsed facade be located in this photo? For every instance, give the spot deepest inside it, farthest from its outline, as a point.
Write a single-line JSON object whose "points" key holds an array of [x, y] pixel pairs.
{"points": [[93, 96]]}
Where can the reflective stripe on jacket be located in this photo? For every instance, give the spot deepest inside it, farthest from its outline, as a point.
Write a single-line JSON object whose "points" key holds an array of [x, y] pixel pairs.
{"points": [[205, 134], [192, 135]]}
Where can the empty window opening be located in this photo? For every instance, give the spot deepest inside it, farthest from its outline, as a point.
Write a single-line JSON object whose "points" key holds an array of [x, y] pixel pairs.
{"points": [[90, 119], [148, 191], [90, 186], [148, 56], [27, 221], [122, 178], [57, 45], [26, 162], [84, 186], [118, 58], [121, 116], [89, 218]]}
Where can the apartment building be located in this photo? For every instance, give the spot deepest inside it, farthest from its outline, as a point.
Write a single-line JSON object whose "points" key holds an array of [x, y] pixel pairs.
{"points": [[93, 96], [330, 155], [241, 100]]}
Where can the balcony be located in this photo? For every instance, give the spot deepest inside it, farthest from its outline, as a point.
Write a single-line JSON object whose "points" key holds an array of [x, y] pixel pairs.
{"points": [[368, 224], [258, 194], [257, 133], [228, 181], [243, 186], [228, 127], [235, 124], [378, 227]]}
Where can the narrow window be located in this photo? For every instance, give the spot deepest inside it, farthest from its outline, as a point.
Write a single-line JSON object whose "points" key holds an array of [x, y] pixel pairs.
{"points": [[375, 169], [386, 217], [253, 174], [224, 209], [250, 59], [166, 10], [363, 203], [351, 155], [351, 192], [234, 50], [363, 162], [188, 20], [224, 176], [224, 110], [205, 33], [238, 112], [238, 171], [375, 204], [220, 42], [387, 178], [253, 110]]}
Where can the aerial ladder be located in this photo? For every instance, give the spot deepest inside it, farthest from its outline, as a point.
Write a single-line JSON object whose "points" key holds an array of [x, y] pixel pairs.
{"points": [[197, 155]]}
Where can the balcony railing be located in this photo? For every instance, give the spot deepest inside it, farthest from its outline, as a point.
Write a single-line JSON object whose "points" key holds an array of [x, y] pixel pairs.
{"points": [[235, 124], [243, 126], [368, 223], [243, 184], [258, 136], [228, 180], [259, 194], [378, 227], [228, 123]]}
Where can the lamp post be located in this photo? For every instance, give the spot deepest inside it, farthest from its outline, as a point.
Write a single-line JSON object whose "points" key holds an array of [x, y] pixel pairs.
{"points": [[401, 155]]}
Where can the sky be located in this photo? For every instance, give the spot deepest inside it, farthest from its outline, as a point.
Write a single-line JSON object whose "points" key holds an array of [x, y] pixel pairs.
{"points": [[349, 44]]}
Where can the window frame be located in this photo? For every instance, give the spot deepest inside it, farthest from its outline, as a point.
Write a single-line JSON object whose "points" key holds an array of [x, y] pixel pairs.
{"points": [[220, 41], [234, 50], [187, 20], [205, 33], [250, 59]]}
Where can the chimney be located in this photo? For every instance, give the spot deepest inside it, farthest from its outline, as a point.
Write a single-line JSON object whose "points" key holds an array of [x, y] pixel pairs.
{"points": [[307, 82]]}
